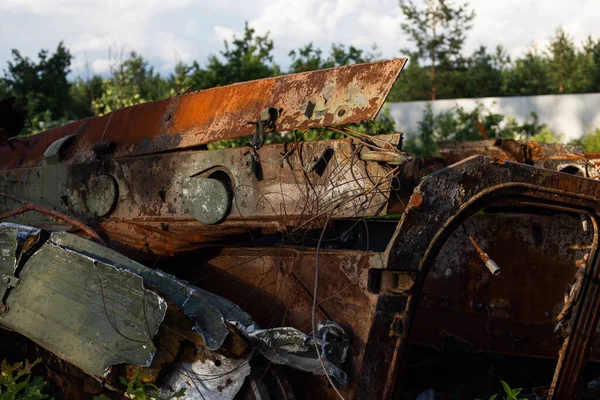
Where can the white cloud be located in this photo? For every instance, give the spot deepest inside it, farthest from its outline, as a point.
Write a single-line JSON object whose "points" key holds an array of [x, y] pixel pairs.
{"points": [[168, 31], [101, 65], [223, 33]]}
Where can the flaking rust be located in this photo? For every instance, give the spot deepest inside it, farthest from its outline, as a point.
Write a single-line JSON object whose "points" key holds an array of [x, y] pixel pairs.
{"points": [[341, 95]]}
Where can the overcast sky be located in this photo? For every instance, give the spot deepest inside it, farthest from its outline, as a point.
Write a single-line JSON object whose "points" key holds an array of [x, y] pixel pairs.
{"points": [[165, 31]]}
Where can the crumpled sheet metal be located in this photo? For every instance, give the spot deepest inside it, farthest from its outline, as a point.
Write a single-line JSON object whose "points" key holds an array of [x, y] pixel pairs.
{"points": [[293, 348], [331, 97], [209, 311], [94, 300], [212, 314], [89, 312]]}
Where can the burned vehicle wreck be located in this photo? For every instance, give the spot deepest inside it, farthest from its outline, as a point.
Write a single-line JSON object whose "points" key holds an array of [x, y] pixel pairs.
{"points": [[304, 269]]}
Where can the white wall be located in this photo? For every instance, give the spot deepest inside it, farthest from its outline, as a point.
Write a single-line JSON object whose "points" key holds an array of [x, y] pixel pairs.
{"points": [[573, 115]]}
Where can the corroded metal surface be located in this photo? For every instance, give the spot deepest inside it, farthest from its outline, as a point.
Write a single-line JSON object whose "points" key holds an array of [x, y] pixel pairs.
{"points": [[538, 255], [143, 179], [275, 286], [455, 193], [336, 96], [155, 208], [96, 308], [555, 156]]}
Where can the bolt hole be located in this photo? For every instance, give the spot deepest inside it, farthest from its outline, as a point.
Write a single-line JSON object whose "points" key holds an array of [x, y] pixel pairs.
{"points": [[341, 113], [218, 363]]}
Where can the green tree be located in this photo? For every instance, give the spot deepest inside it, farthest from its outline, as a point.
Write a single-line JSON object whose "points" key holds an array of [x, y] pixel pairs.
{"points": [[4, 91], [132, 81], [41, 85], [528, 76], [423, 144], [561, 53], [438, 30], [413, 82], [137, 72], [182, 77], [246, 58], [310, 58], [83, 93], [484, 73], [586, 72], [589, 142], [460, 125]]}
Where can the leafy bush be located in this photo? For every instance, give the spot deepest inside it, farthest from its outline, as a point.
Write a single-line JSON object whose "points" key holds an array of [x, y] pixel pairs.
{"points": [[460, 125], [17, 383], [589, 142]]}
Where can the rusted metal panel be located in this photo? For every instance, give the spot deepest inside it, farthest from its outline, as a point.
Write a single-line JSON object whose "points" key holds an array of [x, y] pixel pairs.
{"points": [[114, 321], [516, 312], [147, 203], [555, 156], [445, 199], [336, 96], [275, 285], [503, 149], [139, 177]]}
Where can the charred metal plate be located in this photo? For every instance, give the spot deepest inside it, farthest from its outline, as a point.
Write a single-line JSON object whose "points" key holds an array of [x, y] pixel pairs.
{"points": [[90, 313], [335, 96], [154, 199], [444, 199]]}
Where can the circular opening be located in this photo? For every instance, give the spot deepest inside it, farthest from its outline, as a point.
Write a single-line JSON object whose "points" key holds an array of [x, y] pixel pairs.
{"points": [[218, 363], [341, 113]]}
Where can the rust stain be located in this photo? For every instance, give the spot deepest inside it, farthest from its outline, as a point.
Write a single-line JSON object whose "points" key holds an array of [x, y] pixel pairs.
{"points": [[342, 95], [416, 200]]}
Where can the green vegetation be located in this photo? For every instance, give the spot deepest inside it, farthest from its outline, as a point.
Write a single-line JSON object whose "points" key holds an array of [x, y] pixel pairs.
{"points": [[136, 389], [590, 142], [460, 125], [18, 383], [439, 68], [509, 393]]}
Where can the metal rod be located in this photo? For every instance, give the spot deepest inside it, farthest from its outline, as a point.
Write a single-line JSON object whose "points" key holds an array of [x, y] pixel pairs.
{"points": [[489, 263]]}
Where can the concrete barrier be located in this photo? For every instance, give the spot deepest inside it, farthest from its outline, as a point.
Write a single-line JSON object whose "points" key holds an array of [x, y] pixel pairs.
{"points": [[573, 115]]}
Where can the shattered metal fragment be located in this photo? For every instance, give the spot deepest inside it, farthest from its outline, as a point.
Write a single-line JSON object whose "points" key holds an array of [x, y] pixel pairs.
{"points": [[89, 312], [291, 347], [103, 308]]}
